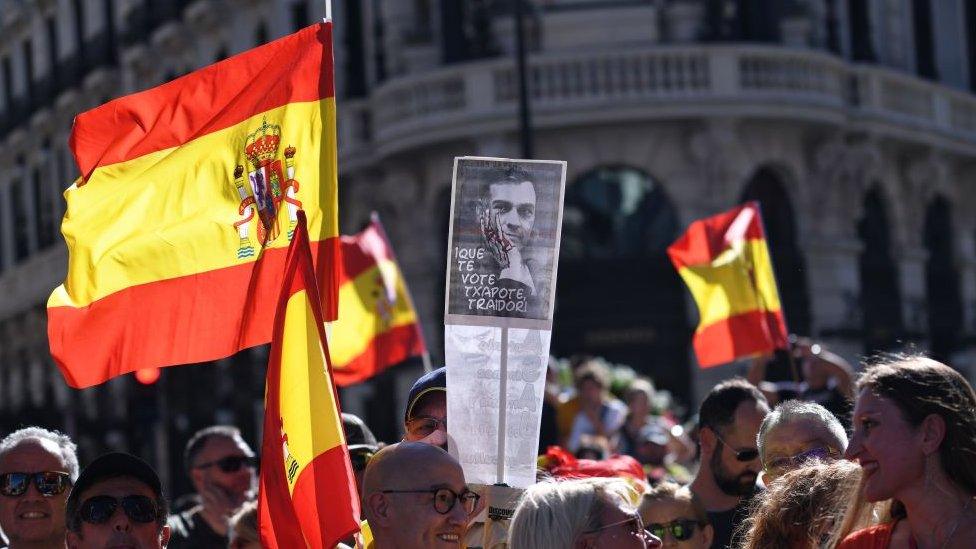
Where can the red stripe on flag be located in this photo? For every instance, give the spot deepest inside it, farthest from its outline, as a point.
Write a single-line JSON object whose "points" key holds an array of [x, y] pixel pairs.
{"points": [[706, 238], [327, 478], [362, 251], [207, 100], [739, 335], [390, 347], [205, 316]]}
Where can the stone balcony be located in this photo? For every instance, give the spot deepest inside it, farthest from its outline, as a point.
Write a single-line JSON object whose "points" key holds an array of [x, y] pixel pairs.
{"points": [[655, 83]]}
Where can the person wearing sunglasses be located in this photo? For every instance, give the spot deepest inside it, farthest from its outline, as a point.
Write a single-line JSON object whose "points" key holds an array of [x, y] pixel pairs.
{"points": [[796, 432], [425, 419], [589, 513], [222, 468], [117, 501], [37, 468], [729, 420], [415, 496], [674, 514]]}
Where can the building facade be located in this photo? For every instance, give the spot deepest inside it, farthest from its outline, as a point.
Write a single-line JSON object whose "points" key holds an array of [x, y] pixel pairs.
{"points": [[852, 121]]}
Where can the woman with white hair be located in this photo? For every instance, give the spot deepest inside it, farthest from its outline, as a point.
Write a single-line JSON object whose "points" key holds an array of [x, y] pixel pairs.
{"points": [[589, 513]]}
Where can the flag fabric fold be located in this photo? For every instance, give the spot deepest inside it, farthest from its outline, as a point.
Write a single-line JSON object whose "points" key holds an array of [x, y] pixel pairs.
{"points": [[178, 228], [725, 262], [378, 325], [308, 495]]}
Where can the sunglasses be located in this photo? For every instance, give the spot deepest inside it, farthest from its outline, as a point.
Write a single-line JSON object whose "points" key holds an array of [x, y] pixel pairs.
{"points": [[680, 529], [824, 453], [424, 426], [99, 509], [231, 464], [743, 455], [48, 483], [635, 522], [445, 499]]}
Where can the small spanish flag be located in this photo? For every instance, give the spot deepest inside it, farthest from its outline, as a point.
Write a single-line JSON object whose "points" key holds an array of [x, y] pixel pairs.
{"points": [[188, 197], [308, 495], [725, 262], [378, 325]]}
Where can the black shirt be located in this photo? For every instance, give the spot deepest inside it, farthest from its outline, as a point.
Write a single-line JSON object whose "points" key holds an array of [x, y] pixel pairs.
{"points": [[188, 530], [725, 524]]}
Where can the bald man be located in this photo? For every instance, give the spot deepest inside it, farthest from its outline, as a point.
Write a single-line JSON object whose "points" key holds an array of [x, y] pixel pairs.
{"points": [[414, 496]]}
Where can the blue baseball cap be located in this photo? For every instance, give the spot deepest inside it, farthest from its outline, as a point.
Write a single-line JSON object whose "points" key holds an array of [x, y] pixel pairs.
{"points": [[427, 383]]}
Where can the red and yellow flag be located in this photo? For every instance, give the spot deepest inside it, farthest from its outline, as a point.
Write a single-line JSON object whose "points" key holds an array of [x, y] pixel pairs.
{"points": [[189, 194], [378, 326], [725, 262], [308, 495]]}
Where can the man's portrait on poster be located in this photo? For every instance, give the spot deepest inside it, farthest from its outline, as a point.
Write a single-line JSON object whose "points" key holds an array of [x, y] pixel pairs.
{"points": [[505, 231]]}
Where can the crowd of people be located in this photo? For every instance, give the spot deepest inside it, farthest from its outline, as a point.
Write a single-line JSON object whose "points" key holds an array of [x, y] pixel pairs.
{"points": [[883, 460]]}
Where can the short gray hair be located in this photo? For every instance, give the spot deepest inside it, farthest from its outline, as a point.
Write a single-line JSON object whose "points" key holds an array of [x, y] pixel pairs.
{"points": [[793, 410], [69, 450], [553, 514]]}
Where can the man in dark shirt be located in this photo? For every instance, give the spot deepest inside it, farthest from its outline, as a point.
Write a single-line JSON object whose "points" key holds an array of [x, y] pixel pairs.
{"points": [[729, 420], [222, 469]]}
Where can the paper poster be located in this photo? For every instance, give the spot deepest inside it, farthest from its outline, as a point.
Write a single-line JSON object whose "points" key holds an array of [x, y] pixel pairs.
{"points": [[504, 242], [473, 380]]}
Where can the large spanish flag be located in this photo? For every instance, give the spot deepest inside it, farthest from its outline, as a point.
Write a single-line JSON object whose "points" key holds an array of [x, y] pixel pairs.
{"points": [[378, 325], [725, 262], [189, 194], [308, 495]]}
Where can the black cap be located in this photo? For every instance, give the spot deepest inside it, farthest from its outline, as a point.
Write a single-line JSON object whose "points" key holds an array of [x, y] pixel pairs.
{"points": [[358, 435], [431, 381], [115, 464]]}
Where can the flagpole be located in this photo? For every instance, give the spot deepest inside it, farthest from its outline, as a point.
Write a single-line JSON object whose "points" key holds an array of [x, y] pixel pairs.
{"points": [[328, 10], [502, 408], [374, 217]]}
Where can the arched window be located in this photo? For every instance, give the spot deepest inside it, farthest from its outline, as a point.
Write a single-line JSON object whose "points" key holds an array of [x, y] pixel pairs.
{"points": [[941, 280], [618, 295], [767, 188], [880, 293]]}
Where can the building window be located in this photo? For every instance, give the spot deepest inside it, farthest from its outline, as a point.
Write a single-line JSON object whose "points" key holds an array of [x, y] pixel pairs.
{"points": [[880, 293], [261, 34], [924, 39], [942, 280], [18, 206], [8, 84], [53, 47], [43, 210], [299, 15], [79, 9], [27, 49], [862, 48], [971, 41]]}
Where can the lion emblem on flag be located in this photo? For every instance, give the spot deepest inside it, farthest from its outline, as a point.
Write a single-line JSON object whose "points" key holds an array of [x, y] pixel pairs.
{"points": [[263, 187]]}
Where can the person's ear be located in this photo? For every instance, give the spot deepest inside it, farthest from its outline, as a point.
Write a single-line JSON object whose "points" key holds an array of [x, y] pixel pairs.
{"points": [[933, 431], [379, 509], [164, 535], [709, 533], [706, 437]]}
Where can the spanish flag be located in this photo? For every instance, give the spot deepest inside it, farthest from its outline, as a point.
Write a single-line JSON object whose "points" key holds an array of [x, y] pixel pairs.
{"points": [[178, 226], [725, 262], [308, 494], [378, 325]]}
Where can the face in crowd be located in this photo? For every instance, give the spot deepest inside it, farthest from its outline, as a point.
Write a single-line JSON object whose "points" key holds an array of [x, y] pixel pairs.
{"points": [[622, 528], [513, 205], [789, 444], [223, 471], [428, 420], [674, 521], [734, 459], [119, 512], [416, 497], [34, 485]]}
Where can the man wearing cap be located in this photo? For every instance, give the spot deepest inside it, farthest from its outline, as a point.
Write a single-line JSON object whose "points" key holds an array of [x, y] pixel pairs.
{"points": [[117, 502], [37, 467], [425, 419]]}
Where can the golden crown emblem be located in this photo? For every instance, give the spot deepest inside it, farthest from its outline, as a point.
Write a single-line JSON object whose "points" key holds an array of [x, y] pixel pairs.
{"points": [[262, 144]]}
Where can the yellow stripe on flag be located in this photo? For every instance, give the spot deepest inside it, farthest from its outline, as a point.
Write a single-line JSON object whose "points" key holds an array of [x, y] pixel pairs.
{"points": [[724, 287], [307, 404], [362, 315], [186, 216]]}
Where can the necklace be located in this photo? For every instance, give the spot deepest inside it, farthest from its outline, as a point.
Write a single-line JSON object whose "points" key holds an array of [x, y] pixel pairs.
{"points": [[955, 526]]}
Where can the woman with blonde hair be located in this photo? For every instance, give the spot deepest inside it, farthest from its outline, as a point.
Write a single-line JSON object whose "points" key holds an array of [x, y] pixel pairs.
{"points": [[915, 440], [591, 513]]}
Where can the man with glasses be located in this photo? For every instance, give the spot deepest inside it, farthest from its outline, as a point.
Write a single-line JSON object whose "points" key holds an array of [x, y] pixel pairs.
{"points": [[729, 420], [426, 417], [117, 502], [795, 432], [674, 514], [37, 468], [222, 470], [414, 496]]}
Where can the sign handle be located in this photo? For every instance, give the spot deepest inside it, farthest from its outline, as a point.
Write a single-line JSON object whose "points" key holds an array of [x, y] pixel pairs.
{"points": [[502, 408]]}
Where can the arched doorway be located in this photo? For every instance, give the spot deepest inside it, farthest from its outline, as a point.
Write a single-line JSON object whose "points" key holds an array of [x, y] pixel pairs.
{"points": [[880, 294], [941, 280], [766, 187], [618, 295]]}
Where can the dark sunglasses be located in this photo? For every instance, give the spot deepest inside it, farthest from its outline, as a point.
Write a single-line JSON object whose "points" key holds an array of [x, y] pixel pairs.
{"points": [[99, 509], [445, 499], [743, 455], [424, 426], [680, 529], [48, 483], [230, 464]]}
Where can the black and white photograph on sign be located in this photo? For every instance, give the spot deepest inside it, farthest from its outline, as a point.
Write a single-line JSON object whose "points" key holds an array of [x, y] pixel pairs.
{"points": [[504, 238]]}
